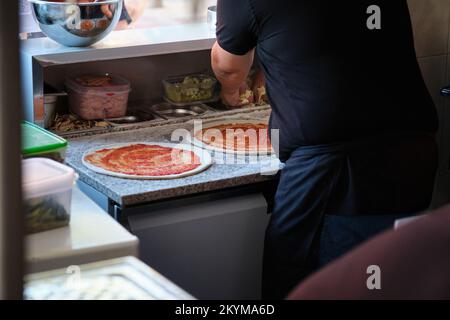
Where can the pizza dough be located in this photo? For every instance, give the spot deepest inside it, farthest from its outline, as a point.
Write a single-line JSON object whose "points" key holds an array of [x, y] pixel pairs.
{"points": [[147, 160], [248, 137]]}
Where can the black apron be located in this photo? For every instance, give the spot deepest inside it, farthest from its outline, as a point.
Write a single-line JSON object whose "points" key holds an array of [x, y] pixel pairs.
{"points": [[331, 198]]}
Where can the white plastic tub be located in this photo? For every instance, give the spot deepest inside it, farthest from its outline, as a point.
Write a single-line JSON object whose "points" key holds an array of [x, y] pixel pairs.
{"points": [[47, 187]]}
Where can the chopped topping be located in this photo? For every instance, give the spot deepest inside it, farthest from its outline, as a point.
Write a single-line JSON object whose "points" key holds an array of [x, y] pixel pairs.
{"points": [[71, 122]]}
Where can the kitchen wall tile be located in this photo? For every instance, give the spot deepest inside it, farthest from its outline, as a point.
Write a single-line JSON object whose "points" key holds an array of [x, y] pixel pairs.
{"points": [[431, 26]]}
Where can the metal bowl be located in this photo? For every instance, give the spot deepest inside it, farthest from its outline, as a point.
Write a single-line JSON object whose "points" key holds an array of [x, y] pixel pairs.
{"points": [[77, 24]]}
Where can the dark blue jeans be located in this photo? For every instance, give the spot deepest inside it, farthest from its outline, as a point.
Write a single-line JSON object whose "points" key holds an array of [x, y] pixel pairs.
{"points": [[331, 198]]}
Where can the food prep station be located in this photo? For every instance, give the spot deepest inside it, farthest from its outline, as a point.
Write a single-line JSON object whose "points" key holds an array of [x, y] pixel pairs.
{"points": [[211, 223]]}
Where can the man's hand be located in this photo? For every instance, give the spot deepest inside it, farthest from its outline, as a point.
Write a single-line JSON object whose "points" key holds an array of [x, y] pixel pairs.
{"points": [[238, 98], [232, 71]]}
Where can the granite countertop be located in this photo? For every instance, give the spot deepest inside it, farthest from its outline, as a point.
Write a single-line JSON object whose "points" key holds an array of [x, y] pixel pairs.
{"points": [[127, 192]]}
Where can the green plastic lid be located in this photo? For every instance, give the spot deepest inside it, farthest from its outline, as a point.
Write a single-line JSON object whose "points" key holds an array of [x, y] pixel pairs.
{"points": [[36, 140]]}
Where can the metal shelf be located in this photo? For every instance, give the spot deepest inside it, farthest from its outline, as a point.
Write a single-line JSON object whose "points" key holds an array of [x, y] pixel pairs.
{"points": [[124, 44]]}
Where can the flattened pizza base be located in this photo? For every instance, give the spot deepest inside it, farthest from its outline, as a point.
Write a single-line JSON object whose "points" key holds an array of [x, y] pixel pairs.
{"points": [[94, 156], [219, 145]]}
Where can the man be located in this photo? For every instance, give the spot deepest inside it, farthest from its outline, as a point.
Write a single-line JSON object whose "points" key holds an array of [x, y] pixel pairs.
{"points": [[356, 123]]}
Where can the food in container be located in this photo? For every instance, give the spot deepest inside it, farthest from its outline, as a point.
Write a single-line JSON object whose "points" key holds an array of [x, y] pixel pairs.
{"points": [[50, 105], [47, 187], [38, 142], [71, 122], [94, 97], [190, 88]]}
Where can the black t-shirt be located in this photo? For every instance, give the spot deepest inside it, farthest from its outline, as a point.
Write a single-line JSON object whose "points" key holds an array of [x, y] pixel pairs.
{"points": [[329, 77]]}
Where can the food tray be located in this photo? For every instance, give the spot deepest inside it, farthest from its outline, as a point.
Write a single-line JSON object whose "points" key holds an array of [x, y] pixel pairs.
{"points": [[190, 88], [118, 279]]}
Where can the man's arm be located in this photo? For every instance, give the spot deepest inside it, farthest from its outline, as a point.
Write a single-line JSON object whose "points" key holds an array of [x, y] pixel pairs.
{"points": [[231, 70]]}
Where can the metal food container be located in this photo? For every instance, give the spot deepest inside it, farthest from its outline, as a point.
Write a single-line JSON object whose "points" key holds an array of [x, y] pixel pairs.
{"points": [[166, 110]]}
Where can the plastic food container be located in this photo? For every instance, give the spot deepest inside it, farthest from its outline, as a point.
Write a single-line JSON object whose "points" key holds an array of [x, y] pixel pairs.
{"points": [[94, 97], [47, 187], [38, 142], [190, 88]]}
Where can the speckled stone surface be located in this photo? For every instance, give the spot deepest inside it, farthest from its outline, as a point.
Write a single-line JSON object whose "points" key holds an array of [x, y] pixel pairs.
{"points": [[126, 192]]}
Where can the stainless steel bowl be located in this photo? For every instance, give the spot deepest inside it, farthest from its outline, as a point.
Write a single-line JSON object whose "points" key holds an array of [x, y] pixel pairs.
{"points": [[77, 24]]}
